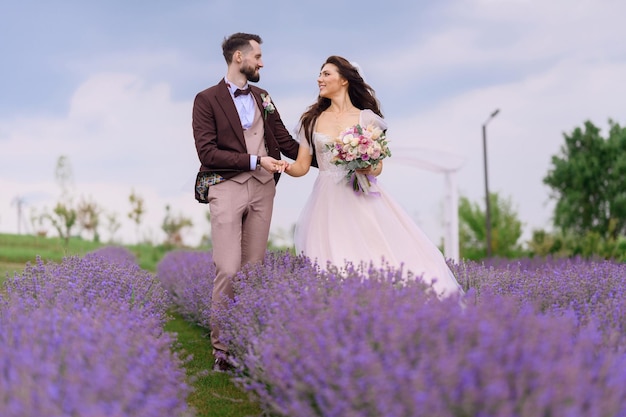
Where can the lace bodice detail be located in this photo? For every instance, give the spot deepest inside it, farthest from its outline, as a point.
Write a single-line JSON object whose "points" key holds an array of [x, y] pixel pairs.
{"points": [[324, 157]]}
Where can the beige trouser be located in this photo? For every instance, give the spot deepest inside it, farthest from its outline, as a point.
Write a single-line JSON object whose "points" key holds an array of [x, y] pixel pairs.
{"points": [[240, 225]]}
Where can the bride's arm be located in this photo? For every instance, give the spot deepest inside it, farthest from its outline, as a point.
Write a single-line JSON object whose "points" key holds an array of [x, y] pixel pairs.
{"points": [[302, 163]]}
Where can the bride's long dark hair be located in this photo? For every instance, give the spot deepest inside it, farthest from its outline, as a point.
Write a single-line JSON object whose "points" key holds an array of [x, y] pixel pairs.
{"points": [[361, 94]]}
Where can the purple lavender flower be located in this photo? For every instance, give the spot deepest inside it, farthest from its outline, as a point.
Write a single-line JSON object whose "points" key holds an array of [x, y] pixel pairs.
{"points": [[313, 343], [85, 337], [530, 337], [188, 276], [116, 254]]}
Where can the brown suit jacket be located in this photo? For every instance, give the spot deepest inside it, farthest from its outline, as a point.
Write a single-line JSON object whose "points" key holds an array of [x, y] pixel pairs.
{"points": [[219, 135]]}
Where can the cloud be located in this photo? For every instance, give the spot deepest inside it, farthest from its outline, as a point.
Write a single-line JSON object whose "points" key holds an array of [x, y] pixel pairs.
{"points": [[535, 112], [119, 134], [484, 42]]}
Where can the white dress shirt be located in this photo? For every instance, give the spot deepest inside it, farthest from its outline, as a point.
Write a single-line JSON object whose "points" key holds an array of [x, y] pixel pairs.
{"points": [[245, 108]]}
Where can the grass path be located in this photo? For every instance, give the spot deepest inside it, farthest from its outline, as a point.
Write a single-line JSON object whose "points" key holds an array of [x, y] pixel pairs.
{"points": [[214, 394]]}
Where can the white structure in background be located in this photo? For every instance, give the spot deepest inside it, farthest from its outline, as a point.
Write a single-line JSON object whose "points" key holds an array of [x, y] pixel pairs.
{"points": [[448, 164], [19, 202]]}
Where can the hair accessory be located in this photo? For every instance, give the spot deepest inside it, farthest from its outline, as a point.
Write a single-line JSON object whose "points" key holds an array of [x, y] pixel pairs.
{"points": [[358, 69]]}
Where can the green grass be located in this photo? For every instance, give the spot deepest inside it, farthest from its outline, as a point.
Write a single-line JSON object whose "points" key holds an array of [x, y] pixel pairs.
{"points": [[9, 268], [19, 249], [214, 393], [25, 248]]}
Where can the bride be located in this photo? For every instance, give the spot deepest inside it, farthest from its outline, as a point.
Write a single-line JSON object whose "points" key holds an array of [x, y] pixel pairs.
{"points": [[347, 221]]}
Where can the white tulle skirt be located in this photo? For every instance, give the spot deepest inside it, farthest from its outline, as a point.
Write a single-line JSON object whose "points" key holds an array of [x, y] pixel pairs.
{"points": [[337, 225]]}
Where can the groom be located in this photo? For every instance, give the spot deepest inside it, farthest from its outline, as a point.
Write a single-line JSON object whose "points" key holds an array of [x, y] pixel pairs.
{"points": [[239, 137]]}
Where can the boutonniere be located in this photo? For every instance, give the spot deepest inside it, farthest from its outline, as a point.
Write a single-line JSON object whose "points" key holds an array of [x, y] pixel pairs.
{"points": [[268, 106]]}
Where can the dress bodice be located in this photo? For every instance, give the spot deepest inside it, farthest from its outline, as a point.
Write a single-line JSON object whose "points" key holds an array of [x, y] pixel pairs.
{"points": [[324, 157], [323, 154]]}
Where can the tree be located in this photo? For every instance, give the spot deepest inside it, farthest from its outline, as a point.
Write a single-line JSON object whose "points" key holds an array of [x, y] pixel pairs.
{"points": [[173, 225], [37, 220], [137, 210], [588, 182], [112, 225], [506, 229], [63, 216], [88, 213], [63, 219], [563, 244]]}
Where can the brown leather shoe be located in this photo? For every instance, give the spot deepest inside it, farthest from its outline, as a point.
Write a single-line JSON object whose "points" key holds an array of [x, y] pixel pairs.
{"points": [[223, 362], [222, 365]]}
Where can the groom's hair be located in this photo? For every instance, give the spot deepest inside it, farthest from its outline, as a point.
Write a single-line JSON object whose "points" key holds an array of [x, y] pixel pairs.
{"points": [[238, 42]]}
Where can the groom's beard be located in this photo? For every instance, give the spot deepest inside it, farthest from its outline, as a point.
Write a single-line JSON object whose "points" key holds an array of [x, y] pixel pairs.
{"points": [[251, 73]]}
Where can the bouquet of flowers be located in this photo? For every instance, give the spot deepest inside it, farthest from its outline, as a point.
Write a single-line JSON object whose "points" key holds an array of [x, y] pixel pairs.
{"points": [[358, 147]]}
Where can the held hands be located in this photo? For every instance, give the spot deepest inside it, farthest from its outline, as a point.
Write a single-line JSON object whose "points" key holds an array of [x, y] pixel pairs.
{"points": [[295, 170], [301, 165], [273, 165]]}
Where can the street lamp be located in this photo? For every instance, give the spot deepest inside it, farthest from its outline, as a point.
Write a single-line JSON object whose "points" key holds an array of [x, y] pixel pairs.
{"points": [[488, 210]]}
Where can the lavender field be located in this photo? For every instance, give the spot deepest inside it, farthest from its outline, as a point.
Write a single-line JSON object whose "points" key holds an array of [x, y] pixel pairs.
{"points": [[529, 338], [84, 337]]}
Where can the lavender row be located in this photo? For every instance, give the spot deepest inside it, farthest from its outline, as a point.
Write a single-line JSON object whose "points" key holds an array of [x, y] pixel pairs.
{"points": [[85, 337], [593, 291], [529, 338], [188, 277]]}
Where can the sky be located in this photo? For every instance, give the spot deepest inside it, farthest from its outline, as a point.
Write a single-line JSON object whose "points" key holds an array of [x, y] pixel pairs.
{"points": [[110, 87]]}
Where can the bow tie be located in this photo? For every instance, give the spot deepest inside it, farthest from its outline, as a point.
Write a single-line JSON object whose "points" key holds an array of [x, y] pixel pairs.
{"points": [[239, 92]]}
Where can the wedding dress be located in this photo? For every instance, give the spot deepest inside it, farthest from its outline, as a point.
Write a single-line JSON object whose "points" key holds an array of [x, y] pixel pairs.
{"points": [[339, 225]]}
